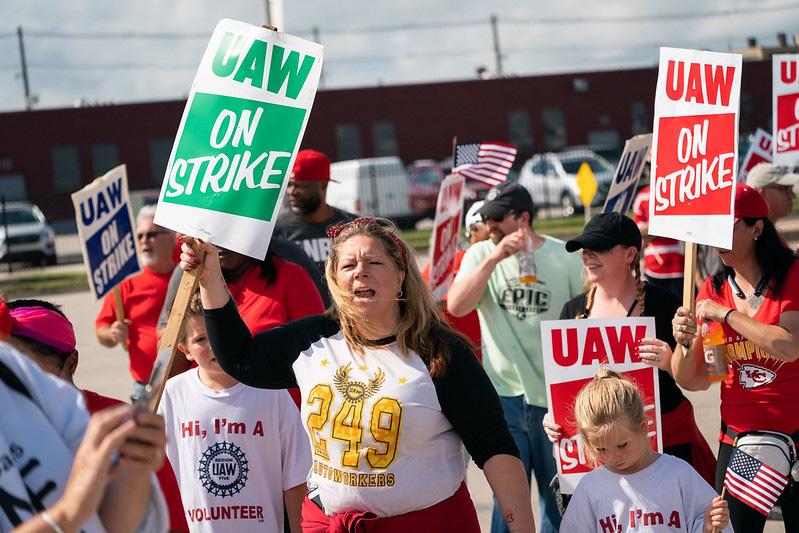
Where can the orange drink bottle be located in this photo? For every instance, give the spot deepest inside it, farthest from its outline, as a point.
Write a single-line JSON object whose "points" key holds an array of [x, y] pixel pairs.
{"points": [[527, 273], [715, 351]]}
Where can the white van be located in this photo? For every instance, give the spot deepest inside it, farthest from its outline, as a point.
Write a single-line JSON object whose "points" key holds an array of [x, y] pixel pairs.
{"points": [[372, 187]]}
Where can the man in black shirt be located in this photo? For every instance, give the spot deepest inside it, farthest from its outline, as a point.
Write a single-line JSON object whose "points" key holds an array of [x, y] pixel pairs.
{"points": [[309, 215]]}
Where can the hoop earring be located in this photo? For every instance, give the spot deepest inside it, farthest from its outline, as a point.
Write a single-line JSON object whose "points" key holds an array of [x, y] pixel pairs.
{"points": [[399, 295]]}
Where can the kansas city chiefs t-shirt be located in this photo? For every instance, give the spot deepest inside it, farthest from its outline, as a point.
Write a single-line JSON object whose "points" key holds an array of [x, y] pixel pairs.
{"points": [[760, 392]]}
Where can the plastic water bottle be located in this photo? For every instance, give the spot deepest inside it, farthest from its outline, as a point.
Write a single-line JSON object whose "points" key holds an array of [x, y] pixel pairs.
{"points": [[527, 273], [715, 351]]}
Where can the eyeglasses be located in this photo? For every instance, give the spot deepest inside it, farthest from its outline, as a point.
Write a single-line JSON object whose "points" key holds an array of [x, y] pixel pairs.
{"points": [[784, 189], [149, 235]]}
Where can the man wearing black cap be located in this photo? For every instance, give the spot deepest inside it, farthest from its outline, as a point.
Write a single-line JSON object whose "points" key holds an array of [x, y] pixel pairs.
{"points": [[510, 315]]}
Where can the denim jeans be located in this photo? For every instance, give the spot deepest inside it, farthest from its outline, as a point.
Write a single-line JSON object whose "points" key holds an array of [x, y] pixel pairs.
{"points": [[525, 423]]}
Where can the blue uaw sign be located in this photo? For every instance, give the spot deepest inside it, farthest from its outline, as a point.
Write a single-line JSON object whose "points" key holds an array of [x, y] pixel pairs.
{"points": [[102, 212], [628, 172]]}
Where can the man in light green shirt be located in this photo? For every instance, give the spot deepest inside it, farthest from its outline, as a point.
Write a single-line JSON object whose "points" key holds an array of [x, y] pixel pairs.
{"points": [[510, 314]]}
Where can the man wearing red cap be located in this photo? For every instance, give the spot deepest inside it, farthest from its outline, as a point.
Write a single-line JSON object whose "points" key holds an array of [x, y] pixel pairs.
{"points": [[310, 215]]}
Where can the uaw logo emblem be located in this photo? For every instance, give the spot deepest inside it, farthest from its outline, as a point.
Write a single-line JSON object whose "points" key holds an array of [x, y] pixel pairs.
{"points": [[356, 391], [223, 469]]}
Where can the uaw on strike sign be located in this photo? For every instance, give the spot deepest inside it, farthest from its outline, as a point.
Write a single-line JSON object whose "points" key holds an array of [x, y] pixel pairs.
{"points": [[759, 152], [103, 216], [573, 352], [238, 137], [628, 172], [694, 152], [446, 234], [785, 110]]}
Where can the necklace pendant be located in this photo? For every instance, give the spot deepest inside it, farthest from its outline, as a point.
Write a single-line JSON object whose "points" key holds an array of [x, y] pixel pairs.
{"points": [[755, 301]]}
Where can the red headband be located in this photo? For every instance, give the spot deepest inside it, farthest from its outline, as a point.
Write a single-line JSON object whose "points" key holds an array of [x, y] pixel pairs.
{"points": [[336, 229], [45, 326]]}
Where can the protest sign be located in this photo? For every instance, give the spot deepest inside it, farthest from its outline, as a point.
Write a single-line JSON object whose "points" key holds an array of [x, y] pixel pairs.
{"points": [[628, 172], [695, 146], [239, 135], [759, 152], [446, 234], [105, 228], [785, 109], [573, 352]]}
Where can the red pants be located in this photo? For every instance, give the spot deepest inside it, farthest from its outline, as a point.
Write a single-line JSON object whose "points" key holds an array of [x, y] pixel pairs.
{"points": [[456, 513]]}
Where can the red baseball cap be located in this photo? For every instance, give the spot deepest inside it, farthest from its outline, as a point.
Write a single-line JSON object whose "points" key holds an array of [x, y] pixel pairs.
{"points": [[311, 165], [749, 203]]}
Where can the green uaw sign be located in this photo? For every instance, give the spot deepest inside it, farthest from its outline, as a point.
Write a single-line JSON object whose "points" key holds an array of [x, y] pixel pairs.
{"points": [[238, 137]]}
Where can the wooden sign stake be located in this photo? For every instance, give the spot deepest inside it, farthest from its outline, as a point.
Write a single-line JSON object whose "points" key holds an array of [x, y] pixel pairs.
{"points": [[168, 346], [119, 309], [689, 285]]}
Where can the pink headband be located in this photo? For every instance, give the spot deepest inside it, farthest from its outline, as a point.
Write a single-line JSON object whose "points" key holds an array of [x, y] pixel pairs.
{"points": [[45, 326], [336, 229]]}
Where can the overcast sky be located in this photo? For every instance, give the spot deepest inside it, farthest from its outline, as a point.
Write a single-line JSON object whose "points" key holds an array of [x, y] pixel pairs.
{"points": [[101, 50]]}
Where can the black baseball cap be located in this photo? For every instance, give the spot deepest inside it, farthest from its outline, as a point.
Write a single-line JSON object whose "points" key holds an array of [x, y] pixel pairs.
{"points": [[504, 198], [606, 230]]}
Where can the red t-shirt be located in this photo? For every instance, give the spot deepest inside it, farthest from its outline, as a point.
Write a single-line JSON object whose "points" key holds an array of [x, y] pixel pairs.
{"points": [[663, 257], [143, 296], [761, 391], [291, 296], [166, 477], [469, 324]]}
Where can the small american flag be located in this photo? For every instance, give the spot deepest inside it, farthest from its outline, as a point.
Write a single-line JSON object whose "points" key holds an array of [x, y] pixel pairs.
{"points": [[487, 162], [754, 483]]}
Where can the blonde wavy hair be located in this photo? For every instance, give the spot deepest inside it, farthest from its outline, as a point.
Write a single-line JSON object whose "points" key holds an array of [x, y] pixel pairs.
{"points": [[635, 269], [607, 402], [421, 328]]}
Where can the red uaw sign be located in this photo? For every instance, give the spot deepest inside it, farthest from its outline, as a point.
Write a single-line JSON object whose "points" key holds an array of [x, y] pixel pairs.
{"points": [[573, 352], [759, 152], [446, 234], [694, 153], [786, 109]]}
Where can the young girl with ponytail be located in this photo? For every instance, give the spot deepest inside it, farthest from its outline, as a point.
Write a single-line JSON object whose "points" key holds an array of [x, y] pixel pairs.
{"points": [[635, 488]]}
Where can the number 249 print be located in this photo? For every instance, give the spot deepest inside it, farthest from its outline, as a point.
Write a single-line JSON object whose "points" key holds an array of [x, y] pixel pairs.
{"points": [[384, 421]]}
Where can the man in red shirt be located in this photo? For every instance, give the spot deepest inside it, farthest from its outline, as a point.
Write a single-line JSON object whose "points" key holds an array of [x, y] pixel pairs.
{"points": [[142, 297], [664, 259]]}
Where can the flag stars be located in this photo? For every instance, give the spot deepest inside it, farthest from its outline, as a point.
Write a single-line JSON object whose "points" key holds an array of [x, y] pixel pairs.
{"points": [[363, 368], [325, 362], [403, 381]]}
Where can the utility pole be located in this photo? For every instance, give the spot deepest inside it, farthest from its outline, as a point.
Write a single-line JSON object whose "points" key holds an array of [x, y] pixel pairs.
{"points": [[317, 39], [24, 69], [497, 52]]}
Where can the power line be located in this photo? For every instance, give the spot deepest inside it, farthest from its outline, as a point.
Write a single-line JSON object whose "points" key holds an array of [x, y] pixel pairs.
{"points": [[657, 18], [426, 25]]}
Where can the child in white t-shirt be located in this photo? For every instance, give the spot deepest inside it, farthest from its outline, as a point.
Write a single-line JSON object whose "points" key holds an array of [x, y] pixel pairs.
{"points": [[238, 452], [636, 489]]}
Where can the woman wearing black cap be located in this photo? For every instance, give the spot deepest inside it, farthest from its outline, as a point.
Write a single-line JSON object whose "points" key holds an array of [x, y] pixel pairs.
{"points": [[611, 246], [755, 300]]}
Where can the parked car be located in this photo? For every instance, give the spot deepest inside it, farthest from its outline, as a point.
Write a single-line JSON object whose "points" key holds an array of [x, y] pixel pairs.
{"points": [[377, 187], [552, 178], [425, 177], [30, 238]]}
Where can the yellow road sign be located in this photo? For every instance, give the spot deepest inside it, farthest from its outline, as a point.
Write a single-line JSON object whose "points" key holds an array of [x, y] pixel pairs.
{"points": [[586, 183]]}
